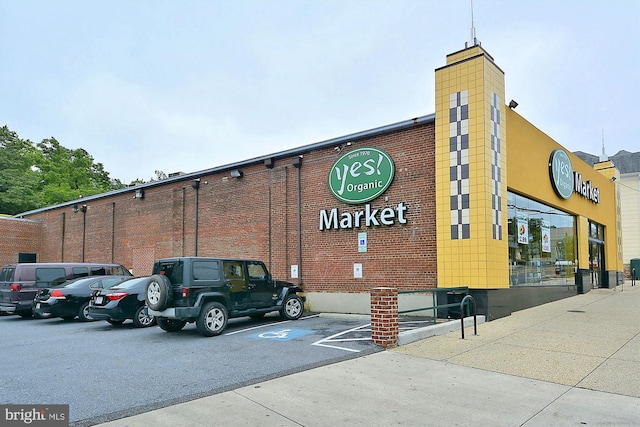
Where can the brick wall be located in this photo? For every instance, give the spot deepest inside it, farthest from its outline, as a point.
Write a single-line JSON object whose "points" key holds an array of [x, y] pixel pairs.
{"points": [[18, 235], [256, 216]]}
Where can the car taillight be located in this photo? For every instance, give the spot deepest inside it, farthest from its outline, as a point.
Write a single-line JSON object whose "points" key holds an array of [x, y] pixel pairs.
{"points": [[15, 287], [57, 293], [185, 292], [117, 295]]}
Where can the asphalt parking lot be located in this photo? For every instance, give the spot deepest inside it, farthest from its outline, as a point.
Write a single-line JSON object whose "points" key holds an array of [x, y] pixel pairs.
{"points": [[105, 372]]}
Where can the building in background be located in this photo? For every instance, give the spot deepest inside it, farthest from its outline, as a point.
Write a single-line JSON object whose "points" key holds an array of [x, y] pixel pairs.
{"points": [[628, 186]]}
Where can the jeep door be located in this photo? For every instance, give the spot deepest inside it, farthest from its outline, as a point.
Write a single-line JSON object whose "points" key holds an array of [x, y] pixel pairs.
{"points": [[236, 281], [260, 287]]}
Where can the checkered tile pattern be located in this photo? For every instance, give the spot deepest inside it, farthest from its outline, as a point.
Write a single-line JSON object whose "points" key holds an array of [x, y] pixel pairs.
{"points": [[459, 164], [496, 172]]}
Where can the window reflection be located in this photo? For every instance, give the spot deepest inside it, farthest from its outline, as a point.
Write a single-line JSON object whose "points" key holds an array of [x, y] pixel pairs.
{"points": [[542, 243]]}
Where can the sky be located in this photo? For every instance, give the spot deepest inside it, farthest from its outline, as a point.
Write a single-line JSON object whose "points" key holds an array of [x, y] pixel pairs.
{"points": [[184, 86]]}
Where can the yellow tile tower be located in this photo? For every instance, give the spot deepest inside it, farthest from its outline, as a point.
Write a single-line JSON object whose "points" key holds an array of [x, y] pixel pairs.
{"points": [[471, 185]]}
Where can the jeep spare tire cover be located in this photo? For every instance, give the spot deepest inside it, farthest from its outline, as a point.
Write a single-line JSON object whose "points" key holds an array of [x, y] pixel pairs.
{"points": [[158, 292]]}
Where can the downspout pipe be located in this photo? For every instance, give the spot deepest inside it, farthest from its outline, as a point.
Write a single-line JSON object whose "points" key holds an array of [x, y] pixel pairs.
{"points": [[64, 226], [83, 209], [113, 230], [297, 163], [195, 184]]}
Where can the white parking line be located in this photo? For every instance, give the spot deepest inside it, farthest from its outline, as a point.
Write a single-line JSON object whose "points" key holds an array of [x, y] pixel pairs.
{"points": [[321, 343], [324, 342]]}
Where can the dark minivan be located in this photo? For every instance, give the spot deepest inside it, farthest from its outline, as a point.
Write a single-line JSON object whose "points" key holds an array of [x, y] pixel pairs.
{"points": [[20, 282]]}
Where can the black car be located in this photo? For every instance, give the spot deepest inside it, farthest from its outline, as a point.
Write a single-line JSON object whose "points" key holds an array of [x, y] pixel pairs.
{"points": [[121, 302], [71, 299]]}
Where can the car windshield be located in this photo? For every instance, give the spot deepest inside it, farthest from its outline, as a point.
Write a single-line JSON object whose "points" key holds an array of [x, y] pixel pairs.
{"points": [[107, 281], [128, 284], [78, 283]]}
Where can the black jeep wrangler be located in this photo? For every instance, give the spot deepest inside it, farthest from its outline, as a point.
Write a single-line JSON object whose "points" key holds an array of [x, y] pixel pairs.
{"points": [[209, 291]]}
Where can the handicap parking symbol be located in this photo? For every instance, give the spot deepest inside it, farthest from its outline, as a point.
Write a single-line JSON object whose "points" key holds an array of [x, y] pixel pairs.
{"points": [[281, 334]]}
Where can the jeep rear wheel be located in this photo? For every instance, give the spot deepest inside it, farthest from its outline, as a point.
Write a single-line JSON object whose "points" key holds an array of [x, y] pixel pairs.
{"points": [[171, 325], [158, 292], [292, 307], [212, 320]]}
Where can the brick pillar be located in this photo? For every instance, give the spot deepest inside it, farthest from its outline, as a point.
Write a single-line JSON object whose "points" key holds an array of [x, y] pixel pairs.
{"points": [[384, 317]]}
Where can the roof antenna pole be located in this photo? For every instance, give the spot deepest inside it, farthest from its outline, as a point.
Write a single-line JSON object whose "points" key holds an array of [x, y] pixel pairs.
{"points": [[473, 28], [603, 156]]}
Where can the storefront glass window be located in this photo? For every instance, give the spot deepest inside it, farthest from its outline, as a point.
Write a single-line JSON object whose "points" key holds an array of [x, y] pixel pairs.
{"points": [[542, 244], [596, 231]]}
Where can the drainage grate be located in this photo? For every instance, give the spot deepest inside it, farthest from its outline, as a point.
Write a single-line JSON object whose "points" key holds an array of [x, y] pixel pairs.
{"points": [[576, 311]]}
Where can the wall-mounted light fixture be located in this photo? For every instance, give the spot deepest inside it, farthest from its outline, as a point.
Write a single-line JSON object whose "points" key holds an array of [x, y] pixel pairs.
{"points": [[139, 194], [75, 208], [237, 173], [339, 148], [613, 178], [513, 104]]}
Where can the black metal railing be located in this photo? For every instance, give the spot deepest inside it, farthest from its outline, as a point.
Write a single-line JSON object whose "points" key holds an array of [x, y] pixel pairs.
{"points": [[436, 307], [435, 293], [475, 322]]}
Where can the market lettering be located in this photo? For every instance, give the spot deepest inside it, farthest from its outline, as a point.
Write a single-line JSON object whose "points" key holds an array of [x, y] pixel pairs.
{"points": [[585, 188], [372, 217]]}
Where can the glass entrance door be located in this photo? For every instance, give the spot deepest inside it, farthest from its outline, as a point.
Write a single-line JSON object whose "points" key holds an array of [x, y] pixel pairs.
{"points": [[596, 254], [596, 263]]}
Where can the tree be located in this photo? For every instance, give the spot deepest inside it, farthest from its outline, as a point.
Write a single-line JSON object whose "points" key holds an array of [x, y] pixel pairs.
{"points": [[35, 176], [69, 174], [160, 175], [19, 177]]}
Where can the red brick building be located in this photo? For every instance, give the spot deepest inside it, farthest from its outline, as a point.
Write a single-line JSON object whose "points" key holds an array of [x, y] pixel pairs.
{"points": [[273, 213]]}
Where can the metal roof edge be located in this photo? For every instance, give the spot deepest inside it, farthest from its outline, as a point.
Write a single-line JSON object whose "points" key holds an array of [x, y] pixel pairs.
{"points": [[14, 218], [381, 130]]}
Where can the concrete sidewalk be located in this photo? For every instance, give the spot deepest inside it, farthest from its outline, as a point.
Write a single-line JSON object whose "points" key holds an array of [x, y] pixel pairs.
{"points": [[566, 363]]}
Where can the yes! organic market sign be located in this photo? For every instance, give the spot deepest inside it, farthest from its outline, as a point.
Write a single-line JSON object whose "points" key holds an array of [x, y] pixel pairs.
{"points": [[361, 175], [561, 173], [565, 181]]}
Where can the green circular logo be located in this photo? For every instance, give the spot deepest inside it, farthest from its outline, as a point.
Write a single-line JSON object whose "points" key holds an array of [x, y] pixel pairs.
{"points": [[361, 175], [561, 173]]}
